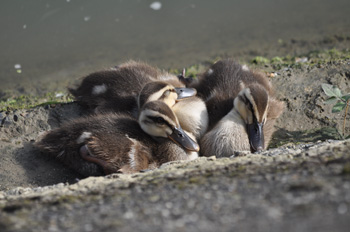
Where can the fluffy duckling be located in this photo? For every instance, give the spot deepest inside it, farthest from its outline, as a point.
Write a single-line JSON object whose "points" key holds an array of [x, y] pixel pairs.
{"points": [[117, 89], [190, 111], [109, 143], [242, 109]]}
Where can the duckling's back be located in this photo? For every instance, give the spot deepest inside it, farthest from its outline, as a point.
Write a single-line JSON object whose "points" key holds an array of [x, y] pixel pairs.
{"points": [[226, 78], [116, 90], [109, 136]]}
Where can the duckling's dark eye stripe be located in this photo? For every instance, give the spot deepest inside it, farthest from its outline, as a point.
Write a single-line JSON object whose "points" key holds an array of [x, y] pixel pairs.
{"points": [[251, 106], [247, 102], [156, 120], [243, 99]]}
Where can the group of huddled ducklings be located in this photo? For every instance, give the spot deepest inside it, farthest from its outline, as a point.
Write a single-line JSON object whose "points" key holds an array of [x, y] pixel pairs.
{"points": [[140, 117]]}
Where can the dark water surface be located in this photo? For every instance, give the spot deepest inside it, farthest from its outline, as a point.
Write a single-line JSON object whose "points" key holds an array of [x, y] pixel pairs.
{"points": [[46, 44]]}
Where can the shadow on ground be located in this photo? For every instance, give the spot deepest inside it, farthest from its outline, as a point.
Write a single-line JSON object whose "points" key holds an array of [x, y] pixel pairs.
{"points": [[283, 136], [41, 170]]}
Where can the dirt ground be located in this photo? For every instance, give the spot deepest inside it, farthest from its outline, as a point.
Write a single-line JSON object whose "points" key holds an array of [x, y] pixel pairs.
{"points": [[299, 88]]}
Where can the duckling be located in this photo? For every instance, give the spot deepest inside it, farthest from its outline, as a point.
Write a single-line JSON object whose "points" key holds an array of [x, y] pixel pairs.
{"points": [[117, 89], [241, 106], [190, 111], [109, 143]]}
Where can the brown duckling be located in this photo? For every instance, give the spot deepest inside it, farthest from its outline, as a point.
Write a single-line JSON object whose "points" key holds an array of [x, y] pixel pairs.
{"points": [[116, 90], [241, 106], [120, 143]]}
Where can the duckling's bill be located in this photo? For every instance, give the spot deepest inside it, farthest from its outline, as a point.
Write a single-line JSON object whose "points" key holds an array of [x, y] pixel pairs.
{"points": [[182, 139], [185, 92], [256, 136]]}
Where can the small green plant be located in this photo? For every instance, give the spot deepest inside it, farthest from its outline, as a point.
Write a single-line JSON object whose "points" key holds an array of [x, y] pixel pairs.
{"points": [[339, 100], [260, 60]]}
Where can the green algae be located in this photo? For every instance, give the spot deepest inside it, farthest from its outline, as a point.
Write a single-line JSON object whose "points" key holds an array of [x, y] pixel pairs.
{"points": [[313, 58], [276, 60], [260, 60], [316, 57], [27, 101]]}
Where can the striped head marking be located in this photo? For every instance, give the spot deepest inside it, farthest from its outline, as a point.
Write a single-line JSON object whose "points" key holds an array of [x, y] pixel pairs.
{"points": [[161, 91], [155, 91], [159, 121], [252, 104]]}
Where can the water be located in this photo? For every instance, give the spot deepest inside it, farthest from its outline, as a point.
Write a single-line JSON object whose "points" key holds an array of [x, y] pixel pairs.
{"points": [[47, 44]]}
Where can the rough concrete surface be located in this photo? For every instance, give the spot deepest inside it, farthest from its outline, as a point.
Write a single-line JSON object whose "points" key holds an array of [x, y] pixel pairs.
{"points": [[294, 188]]}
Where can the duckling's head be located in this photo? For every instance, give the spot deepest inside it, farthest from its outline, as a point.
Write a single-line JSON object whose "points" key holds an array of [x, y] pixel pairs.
{"points": [[159, 121], [252, 105], [159, 90]]}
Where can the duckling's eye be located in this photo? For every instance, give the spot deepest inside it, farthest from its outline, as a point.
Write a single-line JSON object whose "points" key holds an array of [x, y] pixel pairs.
{"points": [[160, 120]]}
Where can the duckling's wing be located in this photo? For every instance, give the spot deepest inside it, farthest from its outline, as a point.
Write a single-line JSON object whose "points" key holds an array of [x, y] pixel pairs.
{"points": [[62, 144], [117, 153]]}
